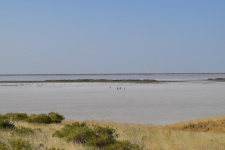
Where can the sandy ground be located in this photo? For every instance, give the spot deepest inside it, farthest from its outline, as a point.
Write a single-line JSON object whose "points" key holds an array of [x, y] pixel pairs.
{"points": [[156, 104]]}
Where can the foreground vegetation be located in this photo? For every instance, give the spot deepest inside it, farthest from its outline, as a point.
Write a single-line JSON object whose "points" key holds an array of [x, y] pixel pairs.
{"points": [[21, 131]]}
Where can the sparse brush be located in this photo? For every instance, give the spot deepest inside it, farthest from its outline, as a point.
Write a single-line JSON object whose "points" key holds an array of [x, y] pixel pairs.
{"points": [[3, 117], [16, 116], [42, 118], [123, 145], [55, 117], [151, 137], [19, 116], [53, 148], [202, 125], [5, 124], [51, 117], [94, 136], [19, 144], [3, 146], [22, 131]]}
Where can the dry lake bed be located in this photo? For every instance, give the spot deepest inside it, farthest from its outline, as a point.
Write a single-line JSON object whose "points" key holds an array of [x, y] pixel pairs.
{"points": [[154, 103]]}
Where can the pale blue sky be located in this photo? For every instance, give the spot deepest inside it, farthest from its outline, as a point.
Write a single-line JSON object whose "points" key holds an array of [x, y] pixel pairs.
{"points": [[112, 36]]}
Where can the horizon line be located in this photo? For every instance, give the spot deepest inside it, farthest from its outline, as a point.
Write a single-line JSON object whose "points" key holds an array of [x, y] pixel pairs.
{"points": [[92, 74]]}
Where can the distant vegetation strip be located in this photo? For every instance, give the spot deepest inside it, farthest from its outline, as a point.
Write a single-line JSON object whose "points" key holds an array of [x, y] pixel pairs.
{"points": [[93, 80], [106, 80], [217, 79], [109, 80]]}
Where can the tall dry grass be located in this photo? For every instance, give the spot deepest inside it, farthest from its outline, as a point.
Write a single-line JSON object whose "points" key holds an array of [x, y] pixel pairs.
{"points": [[173, 137], [215, 125], [168, 138], [42, 138]]}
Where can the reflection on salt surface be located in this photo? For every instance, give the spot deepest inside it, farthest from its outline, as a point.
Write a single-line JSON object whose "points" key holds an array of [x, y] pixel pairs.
{"points": [[158, 104]]}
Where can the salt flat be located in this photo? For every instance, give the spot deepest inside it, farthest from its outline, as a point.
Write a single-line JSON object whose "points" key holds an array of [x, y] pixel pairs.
{"points": [[157, 104]]}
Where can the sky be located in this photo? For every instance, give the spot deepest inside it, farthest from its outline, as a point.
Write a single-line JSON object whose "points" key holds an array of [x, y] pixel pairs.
{"points": [[112, 36]]}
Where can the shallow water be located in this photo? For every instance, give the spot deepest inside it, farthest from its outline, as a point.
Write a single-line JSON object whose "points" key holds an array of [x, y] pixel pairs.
{"points": [[157, 104]]}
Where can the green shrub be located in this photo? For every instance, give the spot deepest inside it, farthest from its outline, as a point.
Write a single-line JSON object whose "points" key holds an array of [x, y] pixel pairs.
{"points": [[55, 117], [53, 148], [94, 136], [22, 131], [123, 145], [9, 115], [77, 132], [19, 144], [5, 124], [15, 116], [3, 146], [19, 116], [42, 118], [102, 137], [3, 116], [51, 117]]}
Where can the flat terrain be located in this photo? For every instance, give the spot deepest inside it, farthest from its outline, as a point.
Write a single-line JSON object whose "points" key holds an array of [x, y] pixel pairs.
{"points": [[152, 103]]}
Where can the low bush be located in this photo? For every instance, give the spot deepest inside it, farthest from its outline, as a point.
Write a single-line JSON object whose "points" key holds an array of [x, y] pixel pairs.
{"points": [[9, 115], [55, 117], [3, 117], [19, 116], [123, 145], [42, 118], [53, 148], [22, 131], [94, 136], [102, 137], [15, 116], [51, 117], [3, 146], [5, 124], [77, 132], [19, 144]]}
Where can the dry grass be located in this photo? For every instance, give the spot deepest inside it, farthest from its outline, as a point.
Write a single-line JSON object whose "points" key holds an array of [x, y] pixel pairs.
{"points": [[173, 137], [42, 138], [216, 125]]}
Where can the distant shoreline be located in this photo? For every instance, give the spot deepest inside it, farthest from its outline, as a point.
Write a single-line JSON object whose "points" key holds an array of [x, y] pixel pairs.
{"points": [[112, 81], [113, 78], [91, 81]]}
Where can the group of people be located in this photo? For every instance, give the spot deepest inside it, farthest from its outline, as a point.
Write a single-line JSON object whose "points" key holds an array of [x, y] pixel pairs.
{"points": [[118, 88]]}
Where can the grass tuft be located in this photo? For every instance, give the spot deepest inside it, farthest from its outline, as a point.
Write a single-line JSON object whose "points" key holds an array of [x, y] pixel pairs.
{"points": [[21, 131], [20, 144]]}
